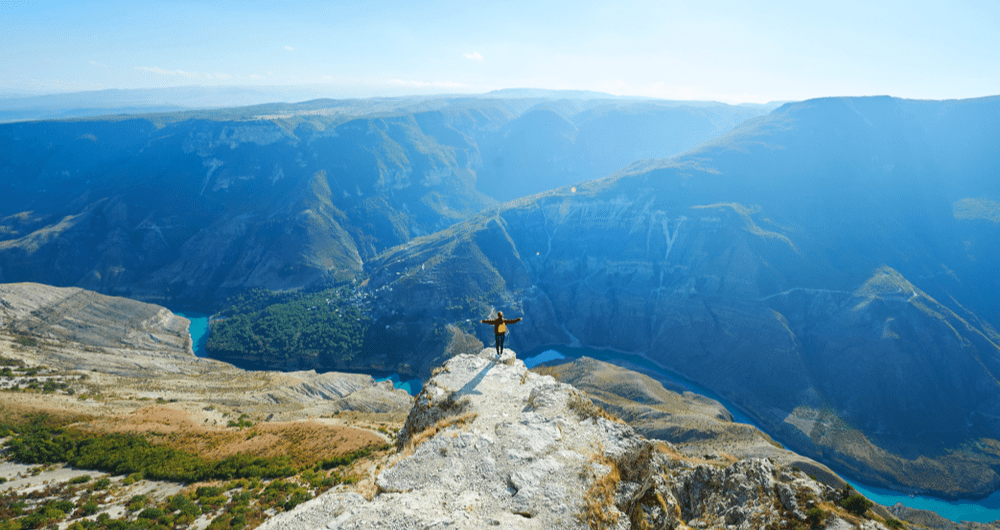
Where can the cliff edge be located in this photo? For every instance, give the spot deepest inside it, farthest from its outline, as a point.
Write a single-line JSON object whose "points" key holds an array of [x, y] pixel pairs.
{"points": [[490, 444]]}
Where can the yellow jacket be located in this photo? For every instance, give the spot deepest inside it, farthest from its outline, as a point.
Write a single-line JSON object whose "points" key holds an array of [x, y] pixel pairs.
{"points": [[500, 324]]}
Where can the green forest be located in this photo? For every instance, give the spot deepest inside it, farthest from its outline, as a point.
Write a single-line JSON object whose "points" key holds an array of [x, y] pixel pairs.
{"points": [[276, 326]]}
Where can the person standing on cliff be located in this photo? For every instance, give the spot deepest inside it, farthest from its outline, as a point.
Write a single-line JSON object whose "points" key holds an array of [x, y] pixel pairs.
{"points": [[500, 329]]}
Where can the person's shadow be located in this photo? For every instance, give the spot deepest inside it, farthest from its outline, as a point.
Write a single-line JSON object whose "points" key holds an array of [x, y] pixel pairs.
{"points": [[470, 387]]}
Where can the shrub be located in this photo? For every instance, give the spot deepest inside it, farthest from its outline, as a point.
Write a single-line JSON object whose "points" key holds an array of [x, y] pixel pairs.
{"points": [[137, 502], [89, 508], [894, 523], [207, 491], [242, 422], [151, 513], [63, 506], [856, 504], [184, 505], [83, 479], [298, 496], [135, 456], [214, 501], [815, 516]]}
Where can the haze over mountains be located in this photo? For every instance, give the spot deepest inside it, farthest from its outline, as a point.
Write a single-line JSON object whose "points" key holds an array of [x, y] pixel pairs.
{"points": [[829, 267], [189, 208]]}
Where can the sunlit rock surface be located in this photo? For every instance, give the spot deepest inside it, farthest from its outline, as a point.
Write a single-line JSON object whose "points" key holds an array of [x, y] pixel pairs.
{"points": [[490, 444]]}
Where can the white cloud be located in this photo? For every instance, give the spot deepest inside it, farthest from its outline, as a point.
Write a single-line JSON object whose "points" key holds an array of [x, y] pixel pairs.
{"points": [[161, 71], [289, 48], [99, 65], [475, 56], [183, 73], [424, 84]]}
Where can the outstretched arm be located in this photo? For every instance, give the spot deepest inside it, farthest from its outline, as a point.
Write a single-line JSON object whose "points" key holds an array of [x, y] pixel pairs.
{"points": [[514, 321]]}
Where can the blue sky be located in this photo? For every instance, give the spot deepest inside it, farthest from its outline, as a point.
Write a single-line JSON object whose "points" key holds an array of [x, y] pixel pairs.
{"points": [[726, 51]]}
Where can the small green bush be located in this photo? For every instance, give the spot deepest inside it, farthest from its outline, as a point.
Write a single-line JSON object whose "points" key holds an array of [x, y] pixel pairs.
{"points": [[214, 502], [151, 513], [815, 516], [207, 491], [137, 502], [63, 506], [856, 504], [184, 505], [83, 479]]}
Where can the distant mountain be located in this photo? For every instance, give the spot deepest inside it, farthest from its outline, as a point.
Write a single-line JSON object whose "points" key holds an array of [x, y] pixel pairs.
{"points": [[28, 107], [547, 147], [829, 268], [188, 208]]}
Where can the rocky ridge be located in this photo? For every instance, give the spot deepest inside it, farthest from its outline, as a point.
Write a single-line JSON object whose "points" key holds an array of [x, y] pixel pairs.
{"points": [[136, 350], [490, 444], [76, 315], [696, 425]]}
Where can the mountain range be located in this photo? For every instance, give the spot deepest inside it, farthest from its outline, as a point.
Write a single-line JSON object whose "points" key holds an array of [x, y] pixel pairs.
{"points": [[828, 267], [188, 208]]}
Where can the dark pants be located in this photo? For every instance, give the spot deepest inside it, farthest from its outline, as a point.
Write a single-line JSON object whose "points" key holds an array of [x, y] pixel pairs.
{"points": [[499, 337]]}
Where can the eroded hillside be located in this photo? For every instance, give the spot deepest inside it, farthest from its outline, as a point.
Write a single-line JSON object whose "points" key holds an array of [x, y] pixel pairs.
{"points": [[824, 267], [189, 208]]}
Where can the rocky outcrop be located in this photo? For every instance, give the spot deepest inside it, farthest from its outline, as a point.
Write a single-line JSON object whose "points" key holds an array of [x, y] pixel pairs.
{"points": [[139, 350], [76, 315], [490, 444], [695, 425]]}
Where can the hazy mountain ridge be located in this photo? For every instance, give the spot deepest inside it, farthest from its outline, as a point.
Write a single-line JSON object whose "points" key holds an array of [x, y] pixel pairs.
{"points": [[750, 265], [190, 207]]}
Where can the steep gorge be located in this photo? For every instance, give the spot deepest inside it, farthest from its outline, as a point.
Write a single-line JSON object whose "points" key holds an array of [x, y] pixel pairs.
{"points": [[810, 267]]}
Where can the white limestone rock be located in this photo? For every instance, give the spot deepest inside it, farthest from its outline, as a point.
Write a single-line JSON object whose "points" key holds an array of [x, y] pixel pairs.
{"points": [[494, 445]]}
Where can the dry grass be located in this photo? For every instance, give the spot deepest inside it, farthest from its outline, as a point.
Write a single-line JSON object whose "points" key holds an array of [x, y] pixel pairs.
{"points": [[17, 413], [305, 442], [600, 498], [442, 424], [725, 461], [585, 408], [367, 488]]}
